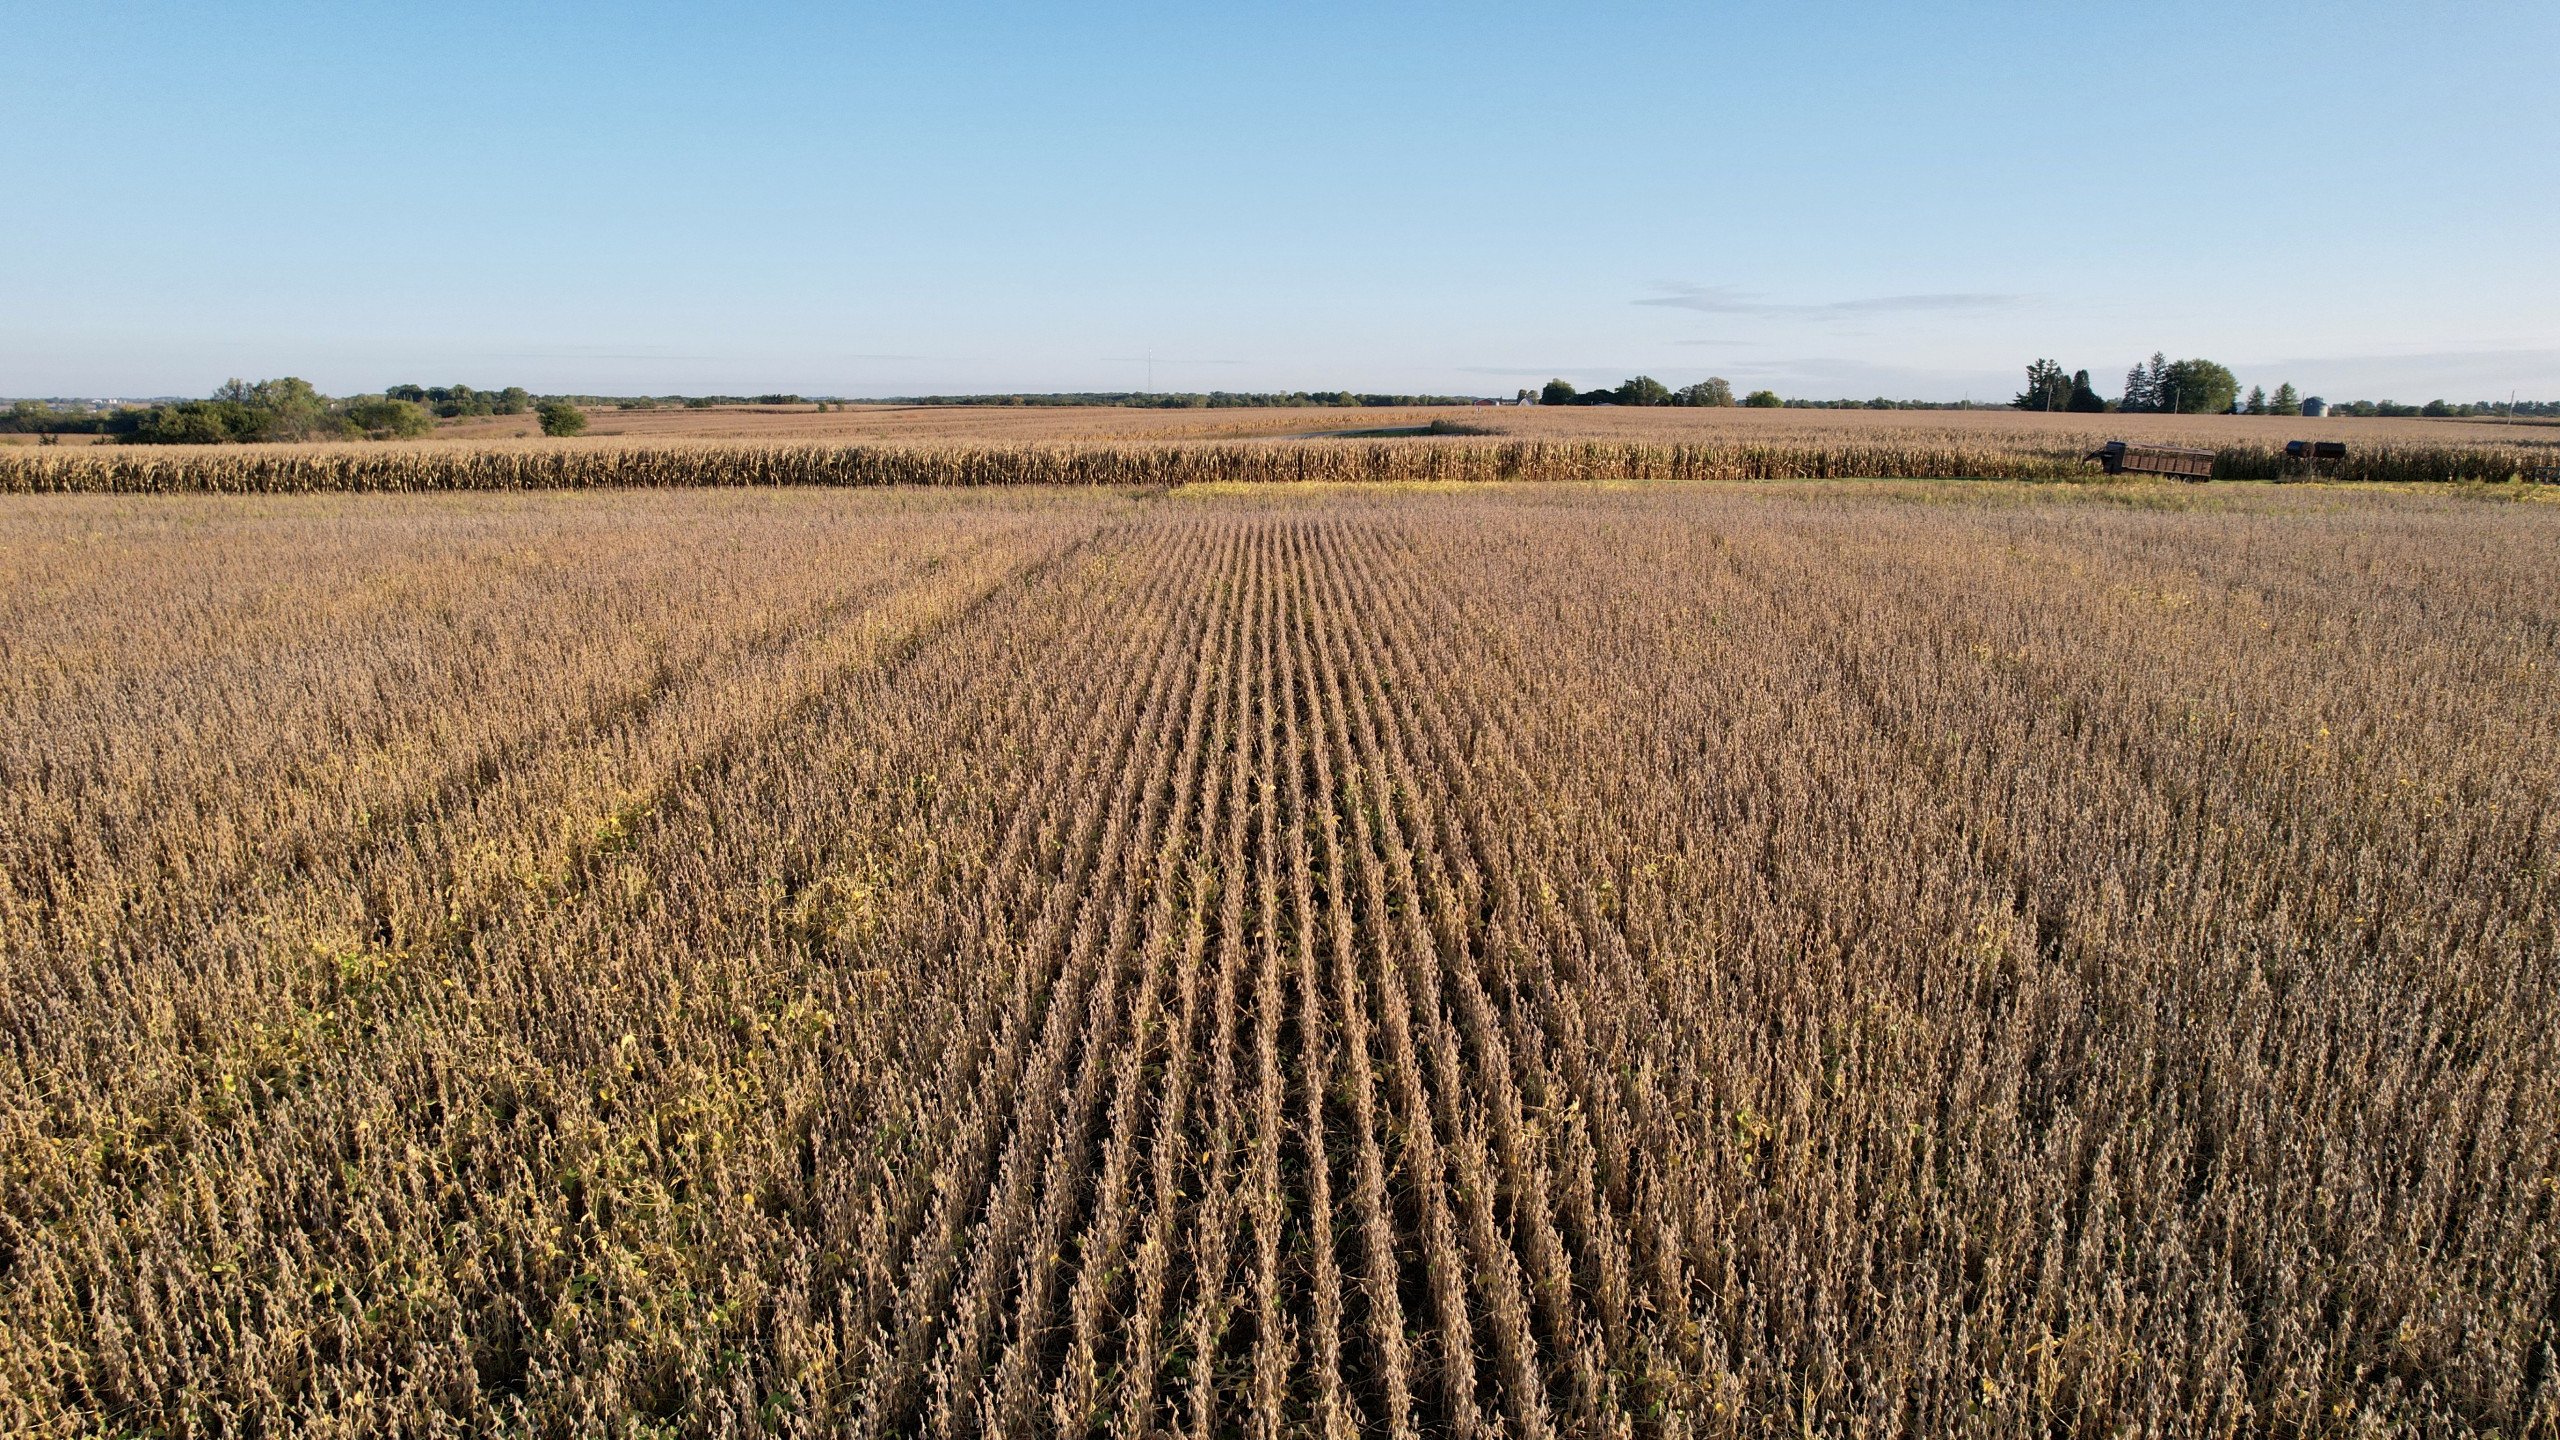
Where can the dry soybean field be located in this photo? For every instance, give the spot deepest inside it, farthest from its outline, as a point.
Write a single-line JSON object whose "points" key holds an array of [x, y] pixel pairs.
{"points": [[1662, 960]]}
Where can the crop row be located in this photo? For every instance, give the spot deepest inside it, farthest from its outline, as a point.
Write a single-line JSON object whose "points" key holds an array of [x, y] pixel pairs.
{"points": [[391, 468]]}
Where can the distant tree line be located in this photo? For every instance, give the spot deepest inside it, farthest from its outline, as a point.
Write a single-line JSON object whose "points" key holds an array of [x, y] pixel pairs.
{"points": [[2440, 409], [286, 409], [242, 411], [1713, 392], [691, 402], [2159, 387], [1716, 391], [291, 409], [39, 417], [1884, 403], [1191, 400], [2162, 386], [454, 401]]}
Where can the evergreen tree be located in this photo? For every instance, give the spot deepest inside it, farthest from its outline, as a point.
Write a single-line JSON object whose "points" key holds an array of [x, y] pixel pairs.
{"points": [[2084, 400], [2047, 388], [2257, 400], [2146, 387], [2287, 401]]}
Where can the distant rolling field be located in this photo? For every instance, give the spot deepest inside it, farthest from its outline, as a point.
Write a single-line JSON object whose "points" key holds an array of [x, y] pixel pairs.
{"points": [[1667, 424]]}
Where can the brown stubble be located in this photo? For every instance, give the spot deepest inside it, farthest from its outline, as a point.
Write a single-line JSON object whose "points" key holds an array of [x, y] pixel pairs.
{"points": [[1664, 960]]}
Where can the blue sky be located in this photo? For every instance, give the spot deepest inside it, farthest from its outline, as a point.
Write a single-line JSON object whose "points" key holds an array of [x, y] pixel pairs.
{"points": [[1830, 199]]}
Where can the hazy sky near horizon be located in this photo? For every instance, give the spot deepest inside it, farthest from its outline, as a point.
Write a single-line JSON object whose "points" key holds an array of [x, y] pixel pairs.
{"points": [[1828, 199]]}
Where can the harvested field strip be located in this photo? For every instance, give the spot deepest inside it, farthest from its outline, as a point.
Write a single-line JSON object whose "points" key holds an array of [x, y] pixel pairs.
{"points": [[1677, 961]]}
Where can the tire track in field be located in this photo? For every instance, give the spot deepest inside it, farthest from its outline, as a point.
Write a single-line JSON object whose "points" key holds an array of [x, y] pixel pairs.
{"points": [[268, 950], [458, 787]]}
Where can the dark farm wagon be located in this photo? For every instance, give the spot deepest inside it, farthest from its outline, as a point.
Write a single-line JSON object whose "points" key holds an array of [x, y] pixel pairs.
{"points": [[2117, 457], [2314, 457]]}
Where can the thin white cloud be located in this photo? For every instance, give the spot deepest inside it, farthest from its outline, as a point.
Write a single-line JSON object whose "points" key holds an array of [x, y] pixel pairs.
{"points": [[1615, 372], [581, 353], [2488, 374], [1732, 300]]}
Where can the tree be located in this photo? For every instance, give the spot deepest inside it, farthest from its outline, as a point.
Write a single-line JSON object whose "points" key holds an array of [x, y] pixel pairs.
{"points": [[285, 409], [559, 417], [2287, 401], [514, 401], [2145, 386], [1763, 400], [193, 422], [2083, 401], [1714, 392], [2257, 401], [2199, 387], [389, 419], [1557, 392], [2047, 388], [1644, 390]]}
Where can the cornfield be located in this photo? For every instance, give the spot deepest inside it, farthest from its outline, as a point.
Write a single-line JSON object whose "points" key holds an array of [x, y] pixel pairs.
{"points": [[2024, 455], [1677, 960]]}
